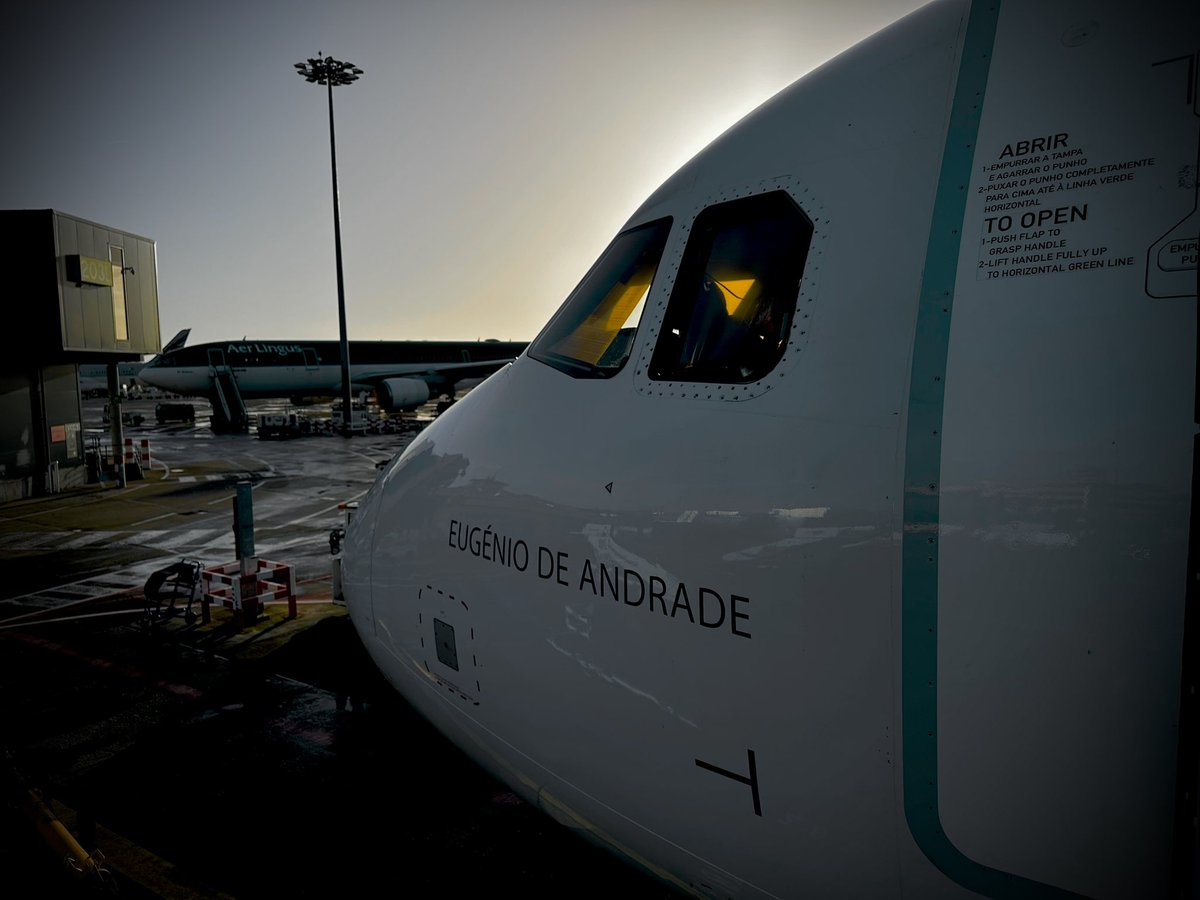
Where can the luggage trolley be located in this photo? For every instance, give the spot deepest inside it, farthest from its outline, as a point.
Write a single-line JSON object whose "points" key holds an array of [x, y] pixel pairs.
{"points": [[169, 584]]}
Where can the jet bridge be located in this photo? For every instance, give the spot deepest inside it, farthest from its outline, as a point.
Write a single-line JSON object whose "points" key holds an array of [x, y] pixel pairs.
{"points": [[85, 295]]}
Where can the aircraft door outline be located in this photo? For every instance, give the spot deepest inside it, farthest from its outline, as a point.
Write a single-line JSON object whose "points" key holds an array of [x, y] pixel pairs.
{"points": [[1171, 260], [447, 635]]}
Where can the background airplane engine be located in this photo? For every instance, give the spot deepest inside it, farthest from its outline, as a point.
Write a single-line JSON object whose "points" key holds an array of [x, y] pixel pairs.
{"points": [[402, 393]]}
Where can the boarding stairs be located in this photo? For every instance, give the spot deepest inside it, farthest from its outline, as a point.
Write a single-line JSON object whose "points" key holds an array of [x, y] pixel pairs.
{"points": [[229, 409]]}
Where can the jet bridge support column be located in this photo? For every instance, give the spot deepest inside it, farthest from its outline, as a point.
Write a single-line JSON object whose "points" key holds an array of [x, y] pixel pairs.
{"points": [[116, 422]]}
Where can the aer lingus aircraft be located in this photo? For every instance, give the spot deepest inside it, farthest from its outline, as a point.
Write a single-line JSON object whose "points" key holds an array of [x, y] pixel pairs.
{"points": [[402, 374], [838, 535]]}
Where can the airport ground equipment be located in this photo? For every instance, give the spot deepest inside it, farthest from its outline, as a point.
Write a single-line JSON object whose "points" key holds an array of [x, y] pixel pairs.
{"points": [[168, 585], [174, 412], [127, 418], [280, 425], [336, 536], [358, 418], [229, 409]]}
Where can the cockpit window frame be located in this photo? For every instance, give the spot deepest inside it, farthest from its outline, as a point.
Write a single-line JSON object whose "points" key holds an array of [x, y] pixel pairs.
{"points": [[572, 317], [805, 302], [730, 310]]}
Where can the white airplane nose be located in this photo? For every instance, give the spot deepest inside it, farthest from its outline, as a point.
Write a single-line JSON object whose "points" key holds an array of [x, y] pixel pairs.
{"points": [[356, 563]]}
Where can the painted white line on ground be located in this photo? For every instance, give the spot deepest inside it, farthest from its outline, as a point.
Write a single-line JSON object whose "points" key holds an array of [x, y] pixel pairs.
{"points": [[152, 519], [191, 537], [271, 549], [33, 539], [319, 512], [87, 539]]}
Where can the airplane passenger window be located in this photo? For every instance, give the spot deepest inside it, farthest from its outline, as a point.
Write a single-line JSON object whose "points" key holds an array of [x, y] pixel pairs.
{"points": [[591, 336], [734, 298]]}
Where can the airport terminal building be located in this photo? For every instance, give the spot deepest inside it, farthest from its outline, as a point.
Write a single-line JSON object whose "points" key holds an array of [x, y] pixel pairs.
{"points": [[83, 293]]}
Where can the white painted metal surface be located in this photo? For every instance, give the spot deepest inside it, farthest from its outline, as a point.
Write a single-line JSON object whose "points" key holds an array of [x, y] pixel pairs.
{"points": [[903, 617]]}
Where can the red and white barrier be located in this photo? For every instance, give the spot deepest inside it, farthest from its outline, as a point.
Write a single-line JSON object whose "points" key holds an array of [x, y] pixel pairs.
{"points": [[139, 455], [245, 594]]}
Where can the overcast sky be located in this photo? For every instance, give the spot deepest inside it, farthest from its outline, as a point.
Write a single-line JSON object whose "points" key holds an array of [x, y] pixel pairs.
{"points": [[488, 154]]}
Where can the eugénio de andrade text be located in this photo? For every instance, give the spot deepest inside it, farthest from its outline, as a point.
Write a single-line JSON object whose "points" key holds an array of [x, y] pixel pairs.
{"points": [[677, 600]]}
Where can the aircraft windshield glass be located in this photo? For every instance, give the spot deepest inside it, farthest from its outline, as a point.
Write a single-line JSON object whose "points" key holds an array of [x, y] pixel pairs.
{"points": [[731, 309], [592, 334]]}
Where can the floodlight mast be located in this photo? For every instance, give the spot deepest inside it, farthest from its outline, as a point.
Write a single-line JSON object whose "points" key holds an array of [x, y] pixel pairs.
{"points": [[329, 71]]}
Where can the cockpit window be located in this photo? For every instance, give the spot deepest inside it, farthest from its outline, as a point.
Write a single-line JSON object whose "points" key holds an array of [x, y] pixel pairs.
{"points": [[735, 295], [592, 334]]}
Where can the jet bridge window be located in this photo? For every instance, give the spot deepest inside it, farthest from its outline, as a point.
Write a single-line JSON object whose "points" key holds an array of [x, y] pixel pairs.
{"points": [[591, 336], [734, 298]]}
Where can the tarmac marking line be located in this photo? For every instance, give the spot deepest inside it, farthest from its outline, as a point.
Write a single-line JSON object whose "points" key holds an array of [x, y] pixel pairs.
{"points": [[370, 459], [86, 539], [313, 515], [153, 519], [150, 535], [99, 615], [48, 597], [191, 536], [34, 540]]}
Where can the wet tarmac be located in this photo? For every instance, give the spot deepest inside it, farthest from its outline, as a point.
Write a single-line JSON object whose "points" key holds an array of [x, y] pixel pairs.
{"points": [[237, 759]]}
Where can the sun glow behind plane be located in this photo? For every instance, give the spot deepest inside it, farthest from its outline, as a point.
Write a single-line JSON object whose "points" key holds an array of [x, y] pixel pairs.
{"points": [[514, 101]]}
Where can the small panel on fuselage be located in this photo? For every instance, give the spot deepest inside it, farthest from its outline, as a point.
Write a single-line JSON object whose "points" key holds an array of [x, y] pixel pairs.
{"points": [[444, 626]]}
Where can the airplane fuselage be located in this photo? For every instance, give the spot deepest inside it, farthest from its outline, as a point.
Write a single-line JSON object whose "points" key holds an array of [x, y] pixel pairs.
{"points": [[833, 538]]}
